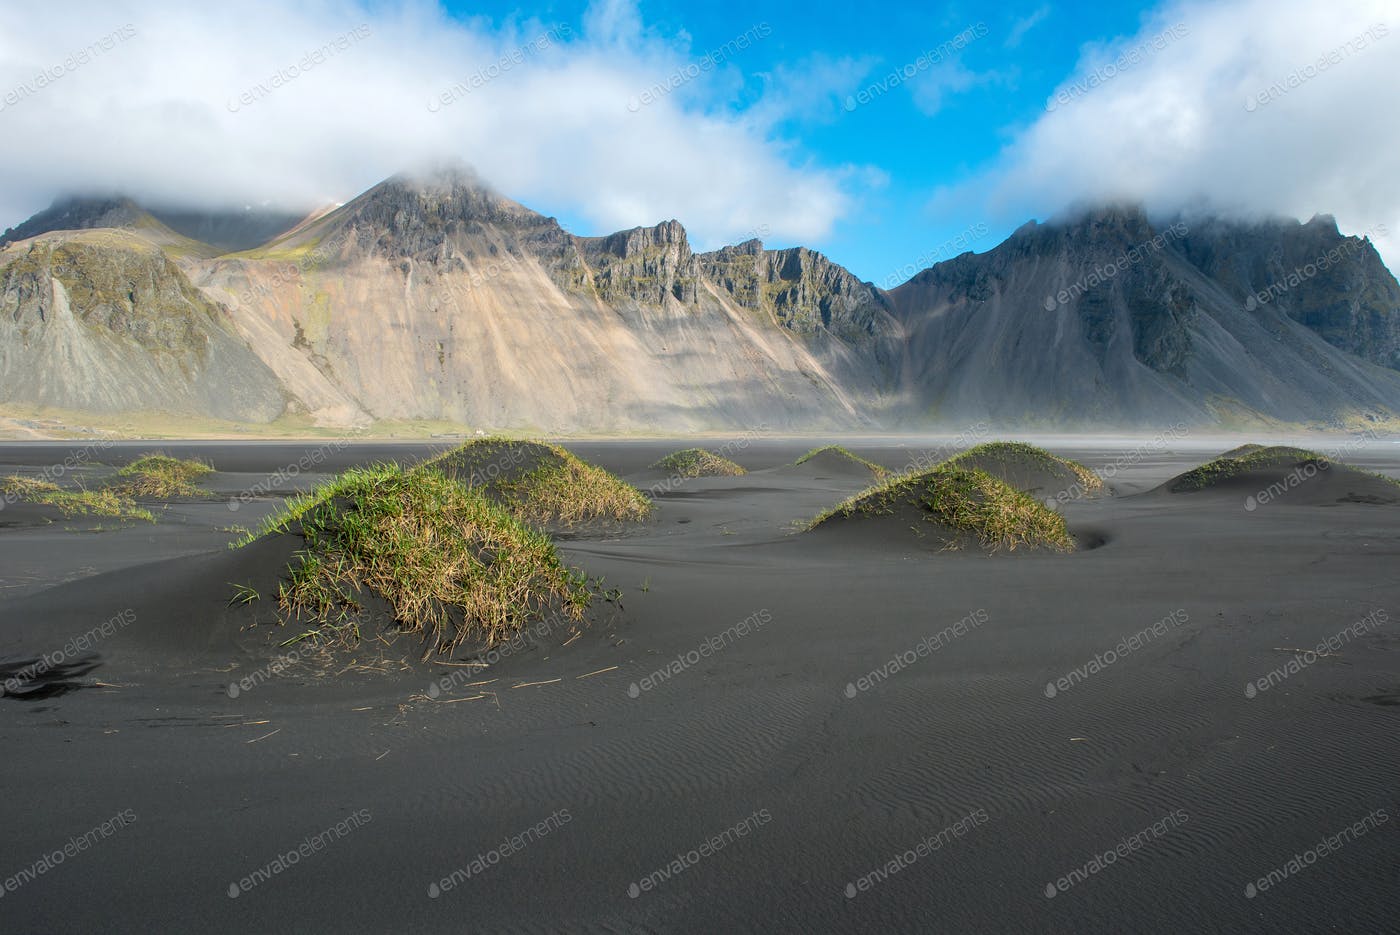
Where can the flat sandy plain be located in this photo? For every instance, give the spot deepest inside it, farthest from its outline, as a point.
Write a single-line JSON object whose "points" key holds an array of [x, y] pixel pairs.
{"points": [[804, 783]]}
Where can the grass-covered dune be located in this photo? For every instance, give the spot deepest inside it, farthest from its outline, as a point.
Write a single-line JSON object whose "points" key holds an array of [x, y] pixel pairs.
{"points": [[540, 483], [697, 462], [1288, 475], [1030, 469], [454, 549], [421, 553], [158, 476], [835, 459], [951, 507]]}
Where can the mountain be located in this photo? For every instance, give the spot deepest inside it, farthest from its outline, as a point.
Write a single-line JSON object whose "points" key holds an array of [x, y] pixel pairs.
{"points": [[1107, 318], [434, 297], [104, 321], [438, 298], [206, 232], [1337, 286]]}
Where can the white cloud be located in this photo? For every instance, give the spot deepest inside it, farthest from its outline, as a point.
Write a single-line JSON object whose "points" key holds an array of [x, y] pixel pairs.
{"points": [[932, 89], [1170, 125], [159, 114], [812, 89], [1024, 25]]}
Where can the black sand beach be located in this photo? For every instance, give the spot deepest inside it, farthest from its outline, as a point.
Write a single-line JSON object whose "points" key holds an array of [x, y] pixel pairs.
{"points": [[771, 731]]}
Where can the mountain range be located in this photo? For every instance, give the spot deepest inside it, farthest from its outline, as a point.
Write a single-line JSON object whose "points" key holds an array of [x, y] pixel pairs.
{"points": [[436, 298]]}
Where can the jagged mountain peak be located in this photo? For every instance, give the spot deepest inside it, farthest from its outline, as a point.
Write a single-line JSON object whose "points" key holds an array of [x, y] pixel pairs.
{"points": [[625, 244], [444, 194]]}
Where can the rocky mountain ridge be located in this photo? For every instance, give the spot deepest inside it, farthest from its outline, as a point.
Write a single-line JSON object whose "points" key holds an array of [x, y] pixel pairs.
{"points": [[438, 298]]}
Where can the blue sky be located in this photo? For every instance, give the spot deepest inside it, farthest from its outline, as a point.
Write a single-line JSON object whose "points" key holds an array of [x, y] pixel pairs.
{"points": [[1248, 107], [912, 141]]}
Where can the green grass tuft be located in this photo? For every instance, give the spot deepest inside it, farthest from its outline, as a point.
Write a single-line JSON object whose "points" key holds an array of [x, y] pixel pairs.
{"points": [[966, 502], [447, 561], [74, 502], [157, 476], [1226, 467], [697, 462], [542, 484]]}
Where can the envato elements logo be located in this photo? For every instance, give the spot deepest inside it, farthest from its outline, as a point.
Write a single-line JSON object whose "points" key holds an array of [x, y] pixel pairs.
{"points": [[1328, 845], [1306, 471], [927, 647], [450, 289], [750, 624], [1301, 274], [1302, 660], [708, 848], [73, 848], [1101, 274], [1109, 471], [706, 63], [283, 275], [288, 473], [74, 647], [948, 248], [1300, 76], [1125, 647], [313, 844], [285, 76], [675, 479], [1301, 474], [54, 472], [1127, 846], [484, 76], [507, 848], [973, 433], [519, 641], [928, 845], [918, 66], [274, 668], [66, 67], [1110, 70]]}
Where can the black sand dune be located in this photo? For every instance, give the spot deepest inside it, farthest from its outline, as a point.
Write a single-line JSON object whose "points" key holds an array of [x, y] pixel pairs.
{"points": [[948, 508], [1030, 469], [1260, 476], [850, 704], [546, 485], [491, 463]]}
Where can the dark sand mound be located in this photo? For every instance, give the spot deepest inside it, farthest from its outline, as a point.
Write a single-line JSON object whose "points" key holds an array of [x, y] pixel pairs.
{"points": [[176, 610], [542, 484], [157, 476], [949, 507], [1030, 469], [491, 462], [697, 462], [420, 553], [1287, 475], [836, 461]]}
